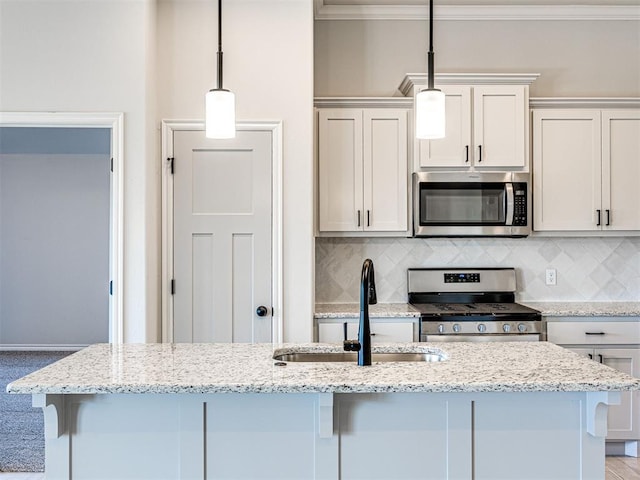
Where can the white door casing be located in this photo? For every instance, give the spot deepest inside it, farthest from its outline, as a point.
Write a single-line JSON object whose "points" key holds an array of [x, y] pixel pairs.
{"points": [[208, 208], [115, 122]]}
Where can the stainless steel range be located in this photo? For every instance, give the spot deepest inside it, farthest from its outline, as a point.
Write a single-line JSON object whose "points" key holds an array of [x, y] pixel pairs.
{"points": [[472, 305]]}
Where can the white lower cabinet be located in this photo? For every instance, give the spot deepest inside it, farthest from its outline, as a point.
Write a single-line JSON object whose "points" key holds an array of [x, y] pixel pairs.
{"points": [[617, 345], [382, 331]]}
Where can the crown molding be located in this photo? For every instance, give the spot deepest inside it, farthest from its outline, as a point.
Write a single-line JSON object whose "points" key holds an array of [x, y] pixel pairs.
{"points": [[412, 79], [584, 102], [363, 102], [476, 12]]}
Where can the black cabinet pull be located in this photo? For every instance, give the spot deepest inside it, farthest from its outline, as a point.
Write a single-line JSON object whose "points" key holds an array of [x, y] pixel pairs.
{"points": [[599, 222], [608, 217], [358, 217], [601, 358], [480, 150], [344, 329], [466, 147], [590, 356], [368, 218], [594, 333]]}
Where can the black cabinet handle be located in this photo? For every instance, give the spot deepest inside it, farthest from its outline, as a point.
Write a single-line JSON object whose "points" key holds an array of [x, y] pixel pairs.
{"points": [[358, 217], [344, 329], [594, 333], [368, 218], [466, 147], [480, 150], [590, 356], [599, 222], [601, 358], [608, 217]]}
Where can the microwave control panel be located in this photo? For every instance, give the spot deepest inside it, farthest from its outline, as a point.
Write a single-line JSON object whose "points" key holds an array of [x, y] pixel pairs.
{"points": [[520, 204]]}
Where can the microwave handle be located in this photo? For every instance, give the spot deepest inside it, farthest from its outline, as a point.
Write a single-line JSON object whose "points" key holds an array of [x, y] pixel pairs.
{"points": [[510, 204]]}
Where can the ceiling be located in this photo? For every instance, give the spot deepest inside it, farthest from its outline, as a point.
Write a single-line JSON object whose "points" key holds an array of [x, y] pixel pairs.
{"points": [[625, 10]]}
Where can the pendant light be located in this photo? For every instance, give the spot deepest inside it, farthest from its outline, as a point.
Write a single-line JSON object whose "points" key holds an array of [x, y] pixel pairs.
{"points": [[429, 106], [220, 104]]}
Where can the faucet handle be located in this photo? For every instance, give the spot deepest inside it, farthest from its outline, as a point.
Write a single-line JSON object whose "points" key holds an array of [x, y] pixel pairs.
{"points": [[351, 346]]}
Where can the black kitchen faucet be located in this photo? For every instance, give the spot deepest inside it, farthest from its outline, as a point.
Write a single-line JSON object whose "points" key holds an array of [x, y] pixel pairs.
{"points": [[367, 297]]}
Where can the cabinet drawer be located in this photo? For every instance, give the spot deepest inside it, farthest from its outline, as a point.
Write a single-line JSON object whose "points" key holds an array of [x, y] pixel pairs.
{"points": [[381, 332], [593, 333]]}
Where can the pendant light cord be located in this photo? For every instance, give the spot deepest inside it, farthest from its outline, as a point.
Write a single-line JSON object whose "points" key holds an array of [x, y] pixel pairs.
{"points": [[430, 54], [219, 45]]}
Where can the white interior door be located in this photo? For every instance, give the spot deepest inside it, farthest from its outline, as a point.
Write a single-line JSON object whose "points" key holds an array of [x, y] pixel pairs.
{"points": [[222, 237]]}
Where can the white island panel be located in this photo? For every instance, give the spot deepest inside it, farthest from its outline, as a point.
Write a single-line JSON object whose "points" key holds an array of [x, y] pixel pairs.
{"points": [[375, 436]]}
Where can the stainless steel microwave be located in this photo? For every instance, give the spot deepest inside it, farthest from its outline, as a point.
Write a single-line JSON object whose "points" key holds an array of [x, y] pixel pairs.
{"points": [[474, 204]]}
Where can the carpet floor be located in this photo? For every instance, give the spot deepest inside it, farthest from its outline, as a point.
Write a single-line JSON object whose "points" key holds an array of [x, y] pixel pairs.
{"points": [[21, 425]]}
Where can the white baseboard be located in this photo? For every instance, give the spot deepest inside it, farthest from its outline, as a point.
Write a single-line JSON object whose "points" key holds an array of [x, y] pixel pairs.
{"points": [[40, 348]]}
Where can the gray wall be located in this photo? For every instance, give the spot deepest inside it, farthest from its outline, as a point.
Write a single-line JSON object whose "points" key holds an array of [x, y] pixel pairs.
{"points": [[54, 236], [574, 58]]}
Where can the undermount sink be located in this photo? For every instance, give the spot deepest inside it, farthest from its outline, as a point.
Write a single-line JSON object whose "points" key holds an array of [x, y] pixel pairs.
{"points": [[353, 356]]}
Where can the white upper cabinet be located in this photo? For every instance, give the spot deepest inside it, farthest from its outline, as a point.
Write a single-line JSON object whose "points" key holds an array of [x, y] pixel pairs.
{"points": [[486, 129], [362, 170], [621, 169], [586, 173]]}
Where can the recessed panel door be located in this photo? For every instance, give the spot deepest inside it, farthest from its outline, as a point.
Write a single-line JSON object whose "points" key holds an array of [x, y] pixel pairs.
{"points": [[222, 237]]}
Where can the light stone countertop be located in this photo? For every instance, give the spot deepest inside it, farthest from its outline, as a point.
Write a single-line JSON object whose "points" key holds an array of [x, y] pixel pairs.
{"points": [[586, 309], [249, 368], [349, 310]]}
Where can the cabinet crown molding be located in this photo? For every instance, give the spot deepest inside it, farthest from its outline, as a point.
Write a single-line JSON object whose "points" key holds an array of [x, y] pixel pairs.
{"points": [[363, 102], [412, 79], [331, 10], [584, 102]]}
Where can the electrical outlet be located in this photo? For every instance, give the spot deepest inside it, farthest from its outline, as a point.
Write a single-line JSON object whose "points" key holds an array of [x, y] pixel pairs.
{"points": [[550, 276]]}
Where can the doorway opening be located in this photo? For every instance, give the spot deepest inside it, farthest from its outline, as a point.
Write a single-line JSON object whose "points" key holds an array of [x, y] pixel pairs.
{"points": [[61, 230]]}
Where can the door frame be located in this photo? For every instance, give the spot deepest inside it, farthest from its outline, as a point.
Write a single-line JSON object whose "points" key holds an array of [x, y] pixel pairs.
{"points": [[115, 122], [168, 128]]}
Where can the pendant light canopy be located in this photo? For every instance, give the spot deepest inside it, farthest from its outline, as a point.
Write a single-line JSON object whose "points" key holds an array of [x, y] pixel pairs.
{"points": [[429, 105], [220, 104]]}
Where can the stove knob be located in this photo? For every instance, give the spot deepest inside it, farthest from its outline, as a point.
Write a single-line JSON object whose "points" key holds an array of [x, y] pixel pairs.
{"points": [[522, 328], [441, 328], [506, 328], [482, 328], [456, 328]]}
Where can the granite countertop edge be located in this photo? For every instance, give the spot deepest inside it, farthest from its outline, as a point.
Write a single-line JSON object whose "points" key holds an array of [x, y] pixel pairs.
{"points": [[250, 368], [586, 309], [548, 309], [351, 310]]}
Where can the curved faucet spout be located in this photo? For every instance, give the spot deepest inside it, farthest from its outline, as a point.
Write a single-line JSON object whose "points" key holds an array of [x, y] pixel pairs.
{"points": [[367, 297]]}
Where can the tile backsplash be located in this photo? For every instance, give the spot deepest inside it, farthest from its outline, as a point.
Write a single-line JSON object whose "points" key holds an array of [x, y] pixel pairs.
{"points": [[588, 269]]}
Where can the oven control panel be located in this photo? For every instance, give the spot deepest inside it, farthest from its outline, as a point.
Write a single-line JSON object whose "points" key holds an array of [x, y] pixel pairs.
{"points": [[472, 328], [461, 278]]}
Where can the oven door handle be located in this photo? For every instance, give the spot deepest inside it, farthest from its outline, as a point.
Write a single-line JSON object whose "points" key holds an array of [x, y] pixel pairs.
{"points": [[510, 204]]}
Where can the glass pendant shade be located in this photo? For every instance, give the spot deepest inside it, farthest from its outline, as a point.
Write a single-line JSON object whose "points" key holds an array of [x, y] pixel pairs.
{"points": [[430, 114], [220, 114]]}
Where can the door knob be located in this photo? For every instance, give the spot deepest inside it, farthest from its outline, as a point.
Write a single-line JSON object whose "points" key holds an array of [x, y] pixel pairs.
{"points": [[262, 311]]}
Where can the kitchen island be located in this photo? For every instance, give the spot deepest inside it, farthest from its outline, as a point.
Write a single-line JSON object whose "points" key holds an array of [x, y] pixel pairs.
{"points": [[486, 411]]}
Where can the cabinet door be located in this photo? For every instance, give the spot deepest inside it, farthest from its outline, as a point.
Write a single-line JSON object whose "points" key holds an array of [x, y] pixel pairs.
{"points": [[385, 170], [623, 421], [566, 170], [499, 132], [454, 149], [340, 170], [621, 169]]}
